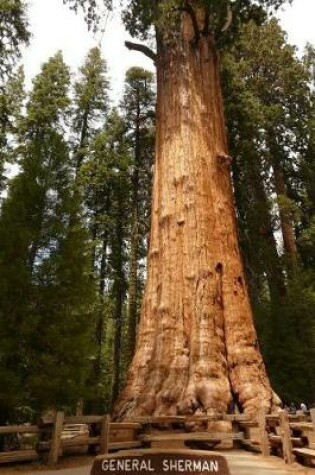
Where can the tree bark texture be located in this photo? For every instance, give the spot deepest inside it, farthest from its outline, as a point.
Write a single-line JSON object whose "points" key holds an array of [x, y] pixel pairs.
{"points": [[197, 347]]}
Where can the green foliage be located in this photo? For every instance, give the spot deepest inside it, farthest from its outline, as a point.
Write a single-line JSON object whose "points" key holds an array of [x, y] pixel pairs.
{"points": [[91, 103], [140, 16], [286, 333], [114, 179], [92, 10], [49, 99], [268, 108], [81, 202], [11, 101], [269, 116], [105, 189], [62, 337], [305, 192], [306, 243], [45, 285], [13, 33], [91, 89], [138, 109]]}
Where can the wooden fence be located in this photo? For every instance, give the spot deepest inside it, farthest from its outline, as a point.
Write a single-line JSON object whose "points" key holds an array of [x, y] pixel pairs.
{"points": [[282, 434], [103, 435]]}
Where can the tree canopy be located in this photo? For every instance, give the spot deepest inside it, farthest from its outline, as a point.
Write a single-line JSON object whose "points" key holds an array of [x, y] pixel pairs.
{"points": [[14, 33], [140, 16]]}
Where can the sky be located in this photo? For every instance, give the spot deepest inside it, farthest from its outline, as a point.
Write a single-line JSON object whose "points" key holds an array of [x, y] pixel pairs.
{"points": [[54, 27]]}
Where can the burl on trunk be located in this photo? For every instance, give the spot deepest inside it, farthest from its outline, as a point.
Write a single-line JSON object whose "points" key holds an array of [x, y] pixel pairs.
{"points": [[197, 347]]}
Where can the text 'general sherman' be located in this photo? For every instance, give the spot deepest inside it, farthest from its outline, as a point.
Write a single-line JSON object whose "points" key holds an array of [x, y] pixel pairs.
{"points": [[167, 465]]}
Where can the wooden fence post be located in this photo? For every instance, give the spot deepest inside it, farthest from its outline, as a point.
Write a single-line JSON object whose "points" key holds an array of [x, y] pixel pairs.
{"points": [[56, 438], [263, 436], [104, 442], [286, 437]]}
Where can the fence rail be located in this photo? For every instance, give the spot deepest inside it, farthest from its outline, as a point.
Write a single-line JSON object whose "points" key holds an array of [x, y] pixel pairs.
{"points": [[58, 433], [22, 429], [289, 436]]}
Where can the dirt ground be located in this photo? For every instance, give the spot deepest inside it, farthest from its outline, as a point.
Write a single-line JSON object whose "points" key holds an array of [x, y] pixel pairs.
{"points": [[239, 462], [66, 463]]}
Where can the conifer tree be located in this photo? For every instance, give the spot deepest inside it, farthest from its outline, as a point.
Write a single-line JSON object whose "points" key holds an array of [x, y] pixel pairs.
{"points": [[262, 89], [138, 108], [90, 103], [120, 210], [285, 108], [11, 100], [14, 33], [44, 264], [246, 124], [306, 192], [91, 106], [104, 181]]}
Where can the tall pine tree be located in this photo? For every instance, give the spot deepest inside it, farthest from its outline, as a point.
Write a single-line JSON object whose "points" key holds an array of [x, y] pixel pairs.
{"points": [[45, 286], [91, 103], [12, 97], [138, 108], [263, 89], [14, 33], [104, 181]]}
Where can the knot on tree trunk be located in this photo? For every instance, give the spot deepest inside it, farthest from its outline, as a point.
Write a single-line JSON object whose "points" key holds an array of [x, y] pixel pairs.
{"points": [[224, 159]]}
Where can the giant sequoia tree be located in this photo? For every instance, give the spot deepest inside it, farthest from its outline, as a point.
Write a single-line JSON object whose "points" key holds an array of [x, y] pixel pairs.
{"points": [[197, 346]]}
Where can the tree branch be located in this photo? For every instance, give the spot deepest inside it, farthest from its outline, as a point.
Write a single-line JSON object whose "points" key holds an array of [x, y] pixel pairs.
{"points": [[142, 49], [229, 19]]}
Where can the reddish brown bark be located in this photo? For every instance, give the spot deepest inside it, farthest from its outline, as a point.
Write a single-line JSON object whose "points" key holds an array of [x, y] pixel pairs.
{"points": [[196, 345]]}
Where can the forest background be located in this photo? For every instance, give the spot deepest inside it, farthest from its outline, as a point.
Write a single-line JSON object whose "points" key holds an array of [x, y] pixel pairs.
{"points": [[74, 219]]}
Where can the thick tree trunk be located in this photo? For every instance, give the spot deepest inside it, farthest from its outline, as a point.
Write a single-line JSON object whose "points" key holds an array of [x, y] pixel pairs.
{"points": [[197, 347]]}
